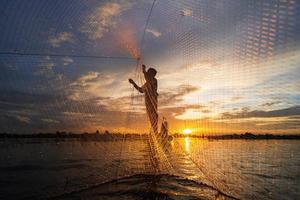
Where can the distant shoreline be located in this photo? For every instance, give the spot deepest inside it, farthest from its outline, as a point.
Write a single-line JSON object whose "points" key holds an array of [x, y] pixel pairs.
{"points": [[106, 136]]}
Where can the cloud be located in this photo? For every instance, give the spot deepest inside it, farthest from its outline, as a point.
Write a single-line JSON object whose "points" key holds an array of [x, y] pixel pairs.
{"points": [[67, 61], [75, 96], [245, 113], [183, 112], [48, 66], [23, 119], [186, 12], [85, 79], [269, 104], [48, 120], [91, 85], [218, 70], [168, 98], [236, 98], [8, 66], [60, 38], [42, 111], [154, 32], [102, 19], [15, 98], [45, 68], [90, 78]]}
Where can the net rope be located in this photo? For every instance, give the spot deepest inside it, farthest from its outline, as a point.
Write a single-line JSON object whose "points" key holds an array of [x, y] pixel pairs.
{"points": [[264, 29]]}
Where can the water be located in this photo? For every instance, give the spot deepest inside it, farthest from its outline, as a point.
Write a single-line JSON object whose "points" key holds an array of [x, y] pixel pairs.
{"points": [[194, 168]]}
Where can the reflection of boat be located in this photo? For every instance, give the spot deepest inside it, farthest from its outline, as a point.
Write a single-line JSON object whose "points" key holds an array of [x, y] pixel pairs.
{"points": [[146, 186]]}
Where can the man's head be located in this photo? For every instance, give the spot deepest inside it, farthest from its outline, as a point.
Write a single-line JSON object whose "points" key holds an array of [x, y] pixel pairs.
{"points": [[151, 72]]}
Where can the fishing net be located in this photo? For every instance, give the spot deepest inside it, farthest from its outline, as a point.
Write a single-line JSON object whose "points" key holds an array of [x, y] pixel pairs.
{"points": [[65, 67]]}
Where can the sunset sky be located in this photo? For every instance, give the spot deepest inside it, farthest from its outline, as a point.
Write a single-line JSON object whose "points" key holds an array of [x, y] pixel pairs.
{"points": [[224, 66]]}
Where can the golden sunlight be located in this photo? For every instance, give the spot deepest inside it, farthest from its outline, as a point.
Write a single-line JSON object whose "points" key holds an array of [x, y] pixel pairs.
{"points": [[187, 144], [187, 131]]}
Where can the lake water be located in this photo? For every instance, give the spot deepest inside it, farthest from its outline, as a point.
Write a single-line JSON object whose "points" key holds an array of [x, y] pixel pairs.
{"points": [[191, 169]]}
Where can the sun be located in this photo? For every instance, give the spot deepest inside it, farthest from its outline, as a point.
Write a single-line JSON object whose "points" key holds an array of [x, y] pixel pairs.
{"points": [[187, 131]]}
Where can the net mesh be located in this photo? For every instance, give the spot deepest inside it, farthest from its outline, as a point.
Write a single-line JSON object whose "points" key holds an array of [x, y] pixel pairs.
{"points": [[65, 68]]}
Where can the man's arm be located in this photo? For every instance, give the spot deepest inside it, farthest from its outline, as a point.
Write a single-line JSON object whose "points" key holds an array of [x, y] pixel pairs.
{"points": [[136, 86]]}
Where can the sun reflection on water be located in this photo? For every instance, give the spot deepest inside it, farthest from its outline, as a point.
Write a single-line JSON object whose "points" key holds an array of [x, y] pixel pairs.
{"points": [[187, 144]]}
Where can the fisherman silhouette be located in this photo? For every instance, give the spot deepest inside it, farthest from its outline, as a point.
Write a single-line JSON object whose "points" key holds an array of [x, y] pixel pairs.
{"points": [[150, 91]]}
